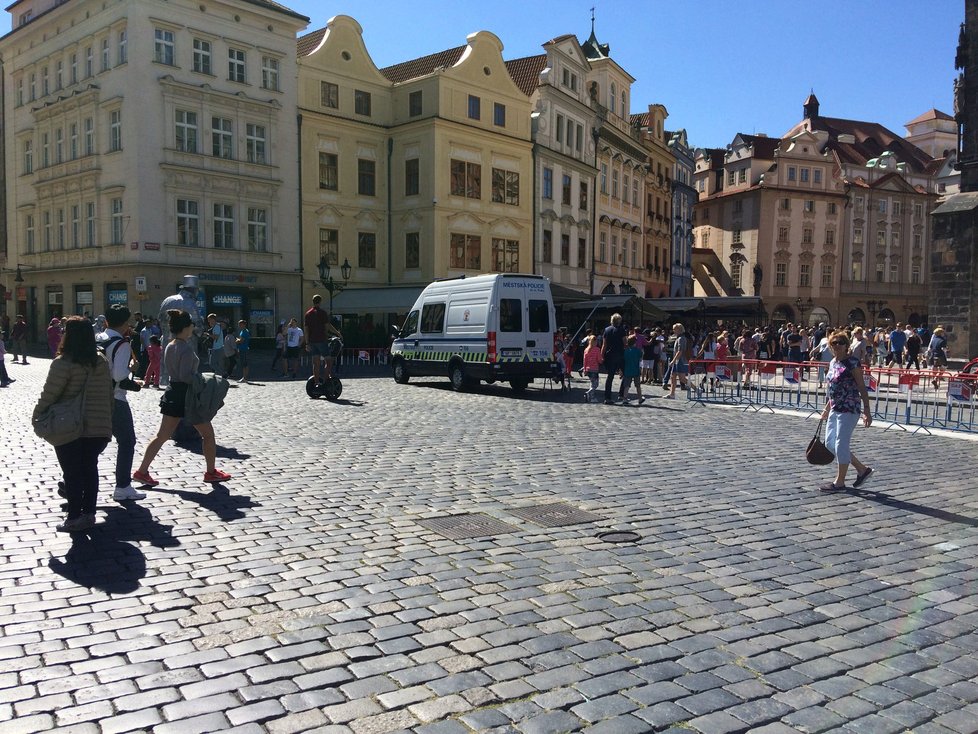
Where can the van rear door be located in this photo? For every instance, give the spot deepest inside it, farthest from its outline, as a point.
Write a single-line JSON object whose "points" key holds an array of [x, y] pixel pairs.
{"points": [[525, 329]]}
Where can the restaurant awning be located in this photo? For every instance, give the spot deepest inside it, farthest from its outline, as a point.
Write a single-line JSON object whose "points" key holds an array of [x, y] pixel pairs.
{"points": [[630, 306], [384, 299]]}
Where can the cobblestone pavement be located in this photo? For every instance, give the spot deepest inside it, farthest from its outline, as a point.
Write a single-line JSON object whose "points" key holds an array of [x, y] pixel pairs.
{"points": [[316, 591]]}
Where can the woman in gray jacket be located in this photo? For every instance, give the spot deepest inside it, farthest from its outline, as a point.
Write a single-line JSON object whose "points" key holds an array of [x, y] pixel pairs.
{"points": [[79, 365]]}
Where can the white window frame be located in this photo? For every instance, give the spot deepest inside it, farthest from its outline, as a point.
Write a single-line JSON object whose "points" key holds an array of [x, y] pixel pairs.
{"points": [[256, 143], [222, 137], [257, 229], [223, 226], [188, 223], [90, 233], [118, 221], [115, 130], [203, 59], [237, 65], [29, 233], [123, 47], [186, 131], [105, 55], [75, 225], [73, 141], [89, 136], [29, 156], [164, 47], [270, 73]]}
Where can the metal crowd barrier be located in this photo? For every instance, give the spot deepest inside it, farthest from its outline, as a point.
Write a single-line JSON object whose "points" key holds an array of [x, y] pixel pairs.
{"points": [[917, 399]]}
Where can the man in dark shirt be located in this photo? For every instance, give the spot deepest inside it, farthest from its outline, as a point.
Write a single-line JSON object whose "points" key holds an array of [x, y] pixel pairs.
{"points": [[613, 352], [318, 329]]}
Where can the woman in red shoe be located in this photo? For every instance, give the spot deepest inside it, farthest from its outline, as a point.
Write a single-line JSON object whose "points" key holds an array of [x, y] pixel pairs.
{"points": [[181, 364]]}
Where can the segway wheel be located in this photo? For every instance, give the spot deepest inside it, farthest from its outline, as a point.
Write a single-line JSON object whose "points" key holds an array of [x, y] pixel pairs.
{"points": [[333, 388], [313, 389]]}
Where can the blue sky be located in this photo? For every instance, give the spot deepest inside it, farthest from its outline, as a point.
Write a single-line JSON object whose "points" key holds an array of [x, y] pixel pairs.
{"points": [[719, 66]]}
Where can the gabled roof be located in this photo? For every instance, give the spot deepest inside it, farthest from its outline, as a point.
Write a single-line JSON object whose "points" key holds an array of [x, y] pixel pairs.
{"points": [[762, 145], [423, 66], [931, 114], [561, 39], [871, 141], [525, 72], [309, 42]]}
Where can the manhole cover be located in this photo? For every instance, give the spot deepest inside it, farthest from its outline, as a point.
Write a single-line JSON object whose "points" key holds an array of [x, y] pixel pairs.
{"points": [[463, 527], [619, 536], [554, 514]]}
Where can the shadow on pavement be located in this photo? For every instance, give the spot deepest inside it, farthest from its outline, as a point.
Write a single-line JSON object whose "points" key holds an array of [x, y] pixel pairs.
{"points": [[884, 499], [219, 500], [101, 559]]}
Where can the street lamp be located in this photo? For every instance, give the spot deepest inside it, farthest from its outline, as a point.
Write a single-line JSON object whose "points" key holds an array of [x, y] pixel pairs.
{"points": [[333, 286], [803, 308], [874, 308], [18, 278]]}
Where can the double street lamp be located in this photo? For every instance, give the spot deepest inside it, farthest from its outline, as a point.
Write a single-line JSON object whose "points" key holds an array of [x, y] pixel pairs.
{"points": [[874, 308], [803, 308], [333, 286]]}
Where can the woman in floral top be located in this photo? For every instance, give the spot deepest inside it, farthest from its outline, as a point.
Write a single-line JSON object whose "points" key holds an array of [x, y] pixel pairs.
{"points": [[846, 392]]}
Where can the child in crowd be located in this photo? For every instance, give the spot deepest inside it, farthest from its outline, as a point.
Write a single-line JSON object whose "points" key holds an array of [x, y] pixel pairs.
{"points": [[155, 353], [592, 366], [631, 372]]}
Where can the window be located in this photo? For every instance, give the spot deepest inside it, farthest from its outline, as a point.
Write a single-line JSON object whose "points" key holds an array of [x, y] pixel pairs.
{"points": [[122, 55], [560, 129], [548, 247], [47, 231], [73, 68], [857, 236], [505, 187], [784, 204], [329, 246], [466, 252], [61, 228], [830, 237], [115, 130], [625, 188], [33, 86], [255, 143], [918, 210], [499, 117], [805, 275], [817, 177], [44, 81], [188, 223], [367, 249], [329, 95], [736, 273], [328, 171], [896, 208], [612, 94], [89, 136], [731, 177], [73, 140], [583, 195], [604, 178], [806, 236], [59, 146], [579, 138], [581, 252], [809, 205], [117, 222], [414, 104], [29, 232], [538, 315], [466, 179], [45, 151], [915, 274], [222, 137], [59, 75], [269, 73], [880, 272], [548, 183], [20, 92], [614, 248], [163, 49], [827, 271], [186, 131], [412, 250], [75, 225], [880, 238], [90, 58], [224, 226], [257, 229], [202, 57], [237, 71], [792, 173], [475, 112], [857, 270], [412, 177], [916, 242], [742, 175], [105, 54], [505, 255], [781, 274], [366, 177], [566, 190], [28, 156], [737, 237], [705, 238], [895, 241], [614, 183], [90, 224], [603, 249], [783, 234], [361, 102], [831, 207], [881, 206], [433, 318], [804, 175], [565, 249]]}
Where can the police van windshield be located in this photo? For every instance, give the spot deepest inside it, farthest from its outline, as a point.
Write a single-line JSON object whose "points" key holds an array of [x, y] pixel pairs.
{"points": [[539, 316], [410, 324]]}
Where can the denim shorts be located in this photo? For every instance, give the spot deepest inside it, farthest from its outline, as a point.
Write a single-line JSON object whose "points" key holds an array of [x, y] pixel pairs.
{"points": [[318, 349]]}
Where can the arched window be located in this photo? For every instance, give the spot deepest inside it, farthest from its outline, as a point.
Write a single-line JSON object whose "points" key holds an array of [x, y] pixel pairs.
{"points": [[856, 316], [612, 96], [624, 106]]}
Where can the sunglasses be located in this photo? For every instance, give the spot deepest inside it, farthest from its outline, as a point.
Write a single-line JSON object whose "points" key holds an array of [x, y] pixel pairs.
{"points": [[838, 343]]}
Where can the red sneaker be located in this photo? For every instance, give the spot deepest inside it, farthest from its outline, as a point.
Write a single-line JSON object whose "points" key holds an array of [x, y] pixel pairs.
{"points": [[144, 478], [216, 476]]}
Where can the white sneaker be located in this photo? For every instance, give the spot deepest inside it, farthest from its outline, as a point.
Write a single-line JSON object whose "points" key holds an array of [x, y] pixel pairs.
{"points": [[127, 493]]}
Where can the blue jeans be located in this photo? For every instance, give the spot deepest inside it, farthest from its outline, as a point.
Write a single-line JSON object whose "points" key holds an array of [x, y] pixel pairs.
{"points": [[838, 433], [125, 437]]}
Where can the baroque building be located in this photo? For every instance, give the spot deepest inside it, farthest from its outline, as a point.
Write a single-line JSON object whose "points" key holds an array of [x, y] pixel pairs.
{"points": [[830, 222], [684, 198], [145, 141]]}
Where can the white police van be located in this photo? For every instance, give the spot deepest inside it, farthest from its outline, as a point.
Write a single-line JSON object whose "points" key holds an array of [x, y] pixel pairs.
{"points": [[496, 328]]}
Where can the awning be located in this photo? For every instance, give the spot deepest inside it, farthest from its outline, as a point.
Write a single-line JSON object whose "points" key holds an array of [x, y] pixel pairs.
{"points": [[385, 299], [563, 294], [628, 305]]}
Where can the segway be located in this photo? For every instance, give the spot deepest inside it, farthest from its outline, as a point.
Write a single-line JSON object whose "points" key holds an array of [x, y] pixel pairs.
{"points": [[331, 388]]}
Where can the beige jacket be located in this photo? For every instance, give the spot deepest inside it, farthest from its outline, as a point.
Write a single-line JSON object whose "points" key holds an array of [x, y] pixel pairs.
{"points": [[65, 380]]}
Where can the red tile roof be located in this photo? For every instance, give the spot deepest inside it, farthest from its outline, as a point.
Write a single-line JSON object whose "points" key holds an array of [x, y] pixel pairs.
{"points": [[525, 72], [872, 140], [309, 42], [763, 145], [423, 66], [931, 114]]}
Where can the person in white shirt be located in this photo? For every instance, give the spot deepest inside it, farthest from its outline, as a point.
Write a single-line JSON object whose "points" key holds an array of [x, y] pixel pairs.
{"points": [[293, 347]]}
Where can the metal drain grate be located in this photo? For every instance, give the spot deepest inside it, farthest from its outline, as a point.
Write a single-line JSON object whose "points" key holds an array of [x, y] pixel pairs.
{"points": [[466, 526], [554, 514]]}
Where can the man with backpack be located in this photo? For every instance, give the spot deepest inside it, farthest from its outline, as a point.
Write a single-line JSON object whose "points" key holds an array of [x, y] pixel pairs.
{"points": [[114, 343]]}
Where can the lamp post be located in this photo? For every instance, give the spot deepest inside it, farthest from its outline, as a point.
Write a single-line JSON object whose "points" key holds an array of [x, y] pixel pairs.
{"points": [[333, 286], [803, 308], [874, 308]]}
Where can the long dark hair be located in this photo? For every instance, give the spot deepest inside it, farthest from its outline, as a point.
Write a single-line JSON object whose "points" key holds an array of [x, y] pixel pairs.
{"points": [[78, 342]]}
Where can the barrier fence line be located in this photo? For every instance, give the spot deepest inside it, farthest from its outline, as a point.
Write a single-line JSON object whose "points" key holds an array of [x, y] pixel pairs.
{"points": [[918, 399]]}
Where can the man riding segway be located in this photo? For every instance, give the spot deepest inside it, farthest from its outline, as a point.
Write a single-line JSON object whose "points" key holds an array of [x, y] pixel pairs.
{"points": [[324, 343]]}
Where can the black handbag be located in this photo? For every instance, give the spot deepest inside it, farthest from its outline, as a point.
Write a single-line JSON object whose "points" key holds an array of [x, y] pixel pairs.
{"points": [[817, 452]]}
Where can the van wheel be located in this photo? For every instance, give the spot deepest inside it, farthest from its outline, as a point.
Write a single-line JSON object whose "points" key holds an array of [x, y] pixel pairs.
{"points": [[519, 384], [457, 375], [401, 375]]}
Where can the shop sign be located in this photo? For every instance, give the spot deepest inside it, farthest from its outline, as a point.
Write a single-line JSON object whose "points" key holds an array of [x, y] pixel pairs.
{"points": [[56, 298], [83, 298], [227, 299], [228, 277], [151, 245], [260, 314], [118, 296]]}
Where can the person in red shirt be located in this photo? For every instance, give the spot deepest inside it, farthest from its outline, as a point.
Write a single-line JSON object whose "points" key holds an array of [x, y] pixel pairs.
{"points": [[317, 331]]}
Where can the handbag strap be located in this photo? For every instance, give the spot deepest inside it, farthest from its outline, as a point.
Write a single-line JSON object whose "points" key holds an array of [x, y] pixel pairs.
{"points": [[818, 428]]}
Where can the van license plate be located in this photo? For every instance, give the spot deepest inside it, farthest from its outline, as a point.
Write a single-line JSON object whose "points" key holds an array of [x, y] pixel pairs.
{"points": [[510, 352]]}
